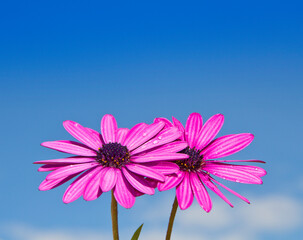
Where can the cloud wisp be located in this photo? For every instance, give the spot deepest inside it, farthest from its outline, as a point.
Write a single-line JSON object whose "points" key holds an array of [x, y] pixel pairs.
{"points": [[271, 214]]}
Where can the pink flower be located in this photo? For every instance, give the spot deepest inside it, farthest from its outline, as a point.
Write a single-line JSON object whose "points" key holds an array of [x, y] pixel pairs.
{"points": [[198, 169], [127, 161]]}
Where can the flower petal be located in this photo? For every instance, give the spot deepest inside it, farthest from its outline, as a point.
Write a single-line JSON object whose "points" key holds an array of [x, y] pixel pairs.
{"points": [[133, 132], [179, 125], [232, 174], [81, 133], [143, 136], [123, 191], [108, 179], [137, 193], [209, 130], [96, 135], [157, 157], [70, 160], [145, 171], [192, 128], [252, 160], [121, 134], [152, 182], [69, 170], [171, 181], [50, 167], [76, 189], [50, 184], [200, 192], [137, 182], [184, 193], [163, 167], [205, 179], [168, 124], [227, 145], [257, 171], [92, 189], [233, 192], [69, 147], [165, 136], [109, 128], [172, 147]]}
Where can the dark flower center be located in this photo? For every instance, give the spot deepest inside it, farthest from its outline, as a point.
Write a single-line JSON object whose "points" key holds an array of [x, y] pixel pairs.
{"points": [[113, 155], [193, 163]]}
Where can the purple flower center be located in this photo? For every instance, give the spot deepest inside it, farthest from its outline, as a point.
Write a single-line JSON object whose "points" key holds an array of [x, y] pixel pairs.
{"points": [[193, 163], [113, 155]]}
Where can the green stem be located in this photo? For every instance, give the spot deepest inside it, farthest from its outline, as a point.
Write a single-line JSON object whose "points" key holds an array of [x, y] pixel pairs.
{"points": [[114, 211], [171, 219]]}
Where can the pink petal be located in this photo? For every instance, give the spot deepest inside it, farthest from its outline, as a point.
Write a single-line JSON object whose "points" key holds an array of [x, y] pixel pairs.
{"points": [[257, 171], [50, 184], [133, 132], [137, 182], [184, 193], [163, 167], [192, 128], [76, 189], [253, 160], [69, 147], [124, 192], [150, 157], [143, 136], [50, 167], [166, 136], [108, 179], [69, 170], [92, 190], [82, 134], [179, 125], [232, 174], [200, 192], [109, 128], [233, 192], [171, 181], [227, 145], [168, 124], [152, 182], [96, 135], [209, 130], [121, 134], [70, 160], [205, 179], [145, 171], [172, 147], [137, 193]]}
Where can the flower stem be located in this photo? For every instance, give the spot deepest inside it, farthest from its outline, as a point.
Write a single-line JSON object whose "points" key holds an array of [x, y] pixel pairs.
{"points": [[171, 219], [114, 212]]}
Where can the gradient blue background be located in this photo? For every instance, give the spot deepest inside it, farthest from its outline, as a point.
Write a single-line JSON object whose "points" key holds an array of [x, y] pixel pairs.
{"points": [[139, 60]]}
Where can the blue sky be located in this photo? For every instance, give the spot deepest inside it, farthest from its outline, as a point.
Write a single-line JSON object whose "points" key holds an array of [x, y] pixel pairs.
{"points": [[70, 60]]}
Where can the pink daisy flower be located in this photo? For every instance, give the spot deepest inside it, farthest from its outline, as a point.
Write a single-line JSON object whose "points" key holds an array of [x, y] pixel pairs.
{"points": [[199, 169], [128, 162]]}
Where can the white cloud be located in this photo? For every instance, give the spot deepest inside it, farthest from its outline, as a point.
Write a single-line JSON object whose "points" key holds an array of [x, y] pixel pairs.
{"points": [[195, 216], [272, 214], [20, 231]]}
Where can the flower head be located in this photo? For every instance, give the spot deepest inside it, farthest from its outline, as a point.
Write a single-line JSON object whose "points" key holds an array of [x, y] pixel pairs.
{"points": [[127, 161], [199, 169]]}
